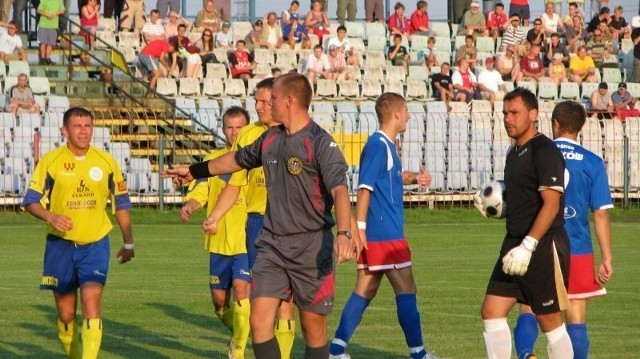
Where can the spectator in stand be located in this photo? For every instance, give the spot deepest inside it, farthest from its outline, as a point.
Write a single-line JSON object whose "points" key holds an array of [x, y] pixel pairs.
{"points": [[132, 15], [490, 82], [21, 97], [555, 46], [151, 57], [254, 38], [10, 43], [598, 49], [557, 7], [635, 37], [112, 8], [374, 10], [473, 22], [603, 16], [601, 104], [468, 51], [89, 15], [349, 7], [222, 7], [420, 20], [153, 30], [508, 65], [532, 66], [344, 46], [608, 35], [183, 42], [398, 54], [318, 64], [241, 62], [551, 22], [224, 38], [582, 67], [556, 70], [618, 24], [206, 46], [459, 8], [295, 33], [285, 17], [429, 54], [272, 32], [398, 22], [192, 63], [163, 7], [337, 65], [5, 9], [576, 34], [50, 11], [622, 100], [520, 8], [441, 84], [496, 21], [464, 82], [317, 20], [573, 11], [171, 24], [536, 35], [514, 35], [208, 18]]}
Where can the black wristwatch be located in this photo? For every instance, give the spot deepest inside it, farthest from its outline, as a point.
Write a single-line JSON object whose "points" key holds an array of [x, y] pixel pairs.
{"points": [[345, 233]]}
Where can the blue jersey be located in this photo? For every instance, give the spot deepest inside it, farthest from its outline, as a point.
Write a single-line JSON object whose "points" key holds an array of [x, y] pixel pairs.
{"points": [[586, 188], [381, 173]]}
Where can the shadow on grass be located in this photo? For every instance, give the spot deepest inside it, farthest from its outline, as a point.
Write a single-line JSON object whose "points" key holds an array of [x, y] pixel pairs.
{"points": [[26, 349]]}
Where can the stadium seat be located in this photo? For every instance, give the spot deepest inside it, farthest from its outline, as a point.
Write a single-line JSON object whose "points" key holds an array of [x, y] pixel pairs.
{"points": [[10, 184], [367, 120], [375, 58], [355, 29], [234, 87], [185, 107], [440, 28], [128, 52], [443, 43], [18, 67], [376, 43], [544, 126], [529, 85], [53, 119], [418, 42], [130, 39], [587, 89], [373, 73], [221, 54], [101, 137], [323, 115], [7, 120], [547, 90], [569, 91], [357, 44], [212, 87], [634, 89], [326, 88], [371, 88], [189, 87], [485, 44], [104, 39], [396, 73], [418, 72], [592, 136], [58, 103], [441, 57], [395, 86], [286, 57], [611, 75], [218, 71], [154, 184], [478, 178], [107, 24], [375, 29], [347, 116], [167, 87], [30, 120], [416, 90], [355, 71], [3, 69], [349, 89], [9, 82], [263, 56]]}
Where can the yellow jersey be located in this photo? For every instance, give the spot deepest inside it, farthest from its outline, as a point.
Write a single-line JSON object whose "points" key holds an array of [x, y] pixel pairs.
{"points": [[253, 180], [231, 236], [79, 188]]}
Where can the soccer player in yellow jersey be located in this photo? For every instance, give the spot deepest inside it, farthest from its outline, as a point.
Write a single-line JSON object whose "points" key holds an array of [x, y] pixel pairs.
{"points": [[69, 191], [228, 262], [254, 183]]}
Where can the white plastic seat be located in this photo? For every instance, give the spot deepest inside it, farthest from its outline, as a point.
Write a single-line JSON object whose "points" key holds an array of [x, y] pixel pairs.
{"points": [[125, 38], [189, 87], [104, 39], [371, 88], [18, 67], [394, 86], [326, 88], [185, 107], [216, 71], [213, 87], [234, 87], [167, 86], [547, 90], [416, 89], [569, 91], [39, 85], [349, 88]]}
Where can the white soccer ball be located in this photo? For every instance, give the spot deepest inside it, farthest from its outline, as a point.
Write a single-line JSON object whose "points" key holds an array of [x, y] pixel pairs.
{"points": [[490, 200]]}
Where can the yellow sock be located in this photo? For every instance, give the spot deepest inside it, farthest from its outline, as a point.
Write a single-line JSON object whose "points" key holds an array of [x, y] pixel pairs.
{"points": [[285, 332], [91, 338], [69, 338], [226, 316], [241, 329]]}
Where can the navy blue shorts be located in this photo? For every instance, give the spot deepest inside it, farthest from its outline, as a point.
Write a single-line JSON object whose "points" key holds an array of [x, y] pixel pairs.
{"points": [[67, 265], [255, 222], [521, 10], [223, 270]]}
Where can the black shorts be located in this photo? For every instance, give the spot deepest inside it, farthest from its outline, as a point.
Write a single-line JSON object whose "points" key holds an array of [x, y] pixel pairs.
{"points": [[544, 286], [298, 266]]}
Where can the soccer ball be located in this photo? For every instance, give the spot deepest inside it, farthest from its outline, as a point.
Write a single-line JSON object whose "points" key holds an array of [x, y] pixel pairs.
{"points": [[490, 200]]}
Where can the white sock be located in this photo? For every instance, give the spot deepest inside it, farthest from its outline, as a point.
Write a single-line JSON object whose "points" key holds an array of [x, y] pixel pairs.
{"points": [[497, 338], [559, 343]]}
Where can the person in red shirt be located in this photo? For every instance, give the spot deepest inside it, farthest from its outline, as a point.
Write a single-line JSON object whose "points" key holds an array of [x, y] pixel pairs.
{"points": [[150, 58], [420, 20], [531, 65], [495, 20], [241, 62], [398, 22]]}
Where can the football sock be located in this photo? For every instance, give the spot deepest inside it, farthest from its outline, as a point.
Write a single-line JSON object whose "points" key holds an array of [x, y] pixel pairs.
{"points": [[497, 338], [285, 333], [241, 329], [267, 350], [349, 320], [525, 334], [579, 340], [69, 338], [316, 353], [409, 319], [559, 343], [91, 337], [226, 316]]}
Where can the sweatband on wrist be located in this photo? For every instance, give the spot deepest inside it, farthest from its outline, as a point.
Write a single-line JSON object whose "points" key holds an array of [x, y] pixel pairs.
{"points": [[128, 246], [200, 170], [530, 243], [362, 224]]}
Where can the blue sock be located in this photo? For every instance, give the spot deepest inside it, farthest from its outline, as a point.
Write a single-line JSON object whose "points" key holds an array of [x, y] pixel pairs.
{"points": [[351, 316], [409, 319], [525, 334], [579, 340]]}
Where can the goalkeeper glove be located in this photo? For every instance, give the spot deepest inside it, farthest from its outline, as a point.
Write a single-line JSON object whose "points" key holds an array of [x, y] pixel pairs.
{"points": [[477, 201], [517, 260]]}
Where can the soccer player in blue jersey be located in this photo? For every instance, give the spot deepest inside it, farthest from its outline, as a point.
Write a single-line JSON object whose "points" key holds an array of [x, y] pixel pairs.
{"points": [[586, 189], [380, 221], [69, 190]]}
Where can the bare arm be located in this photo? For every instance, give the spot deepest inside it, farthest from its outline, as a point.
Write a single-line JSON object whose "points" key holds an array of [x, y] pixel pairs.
{"points": [[362, 207], [226, 200], [342, 246], [547, 213], [59, 222], [124, 221], [603, 232]]}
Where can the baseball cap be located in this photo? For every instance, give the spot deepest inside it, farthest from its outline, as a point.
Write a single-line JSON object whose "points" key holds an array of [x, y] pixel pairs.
{"points": [[489, 59], [622, 84], [558, 56], [258, 23], [293, 16], [226, 25]]}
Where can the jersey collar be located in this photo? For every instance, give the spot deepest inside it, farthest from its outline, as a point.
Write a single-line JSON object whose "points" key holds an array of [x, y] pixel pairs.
{"points": [[566, 140]]}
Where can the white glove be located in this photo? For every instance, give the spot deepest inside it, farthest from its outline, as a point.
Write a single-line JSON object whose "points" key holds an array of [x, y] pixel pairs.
{"points": [[517, 260], [477, 201]]}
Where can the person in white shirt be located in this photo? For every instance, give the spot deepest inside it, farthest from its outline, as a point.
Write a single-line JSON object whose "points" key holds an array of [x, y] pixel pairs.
{"points": [[464, 82], [272, 32], [10, 43], [153, 30], [490, 82], [317, 64], [344, 46], [551, 21]]}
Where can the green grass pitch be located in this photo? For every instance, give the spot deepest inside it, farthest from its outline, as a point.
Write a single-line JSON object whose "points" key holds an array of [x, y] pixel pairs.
{"points": [[158, 306]]}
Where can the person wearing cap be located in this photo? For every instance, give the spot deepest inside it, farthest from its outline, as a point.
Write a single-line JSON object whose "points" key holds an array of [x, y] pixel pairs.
{"points": [[514, 35], [254, 37], [224, 38], [622, 99], [520, 8], [398, 23], [582, 67], [556, 70], [272, 32], [295, 33], [635, 37], [208, 18], [601, 104], [473, 22], [349, 7], [508, 65], [496, 19], [341, 41], [490, 82]]}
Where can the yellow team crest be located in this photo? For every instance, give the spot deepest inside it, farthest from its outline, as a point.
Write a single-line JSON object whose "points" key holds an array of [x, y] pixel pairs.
{"points": [[294, 165]]}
